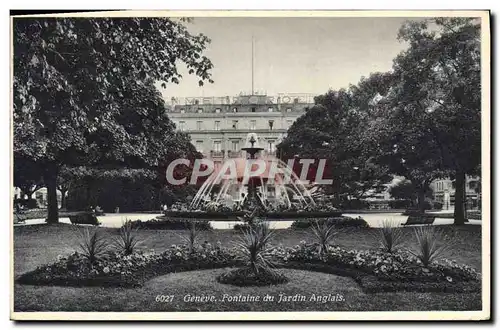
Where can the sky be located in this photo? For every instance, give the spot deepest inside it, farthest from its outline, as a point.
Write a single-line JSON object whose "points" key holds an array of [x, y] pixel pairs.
{"points": [[291, 55]]}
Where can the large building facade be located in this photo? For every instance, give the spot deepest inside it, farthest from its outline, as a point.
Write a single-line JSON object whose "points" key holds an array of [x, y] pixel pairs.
{"points": [[444, 192], [219, 126]]}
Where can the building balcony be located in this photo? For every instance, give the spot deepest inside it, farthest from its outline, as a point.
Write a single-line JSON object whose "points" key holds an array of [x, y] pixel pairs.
{"points": [[269, 153], [234, 154], [237, 130], [217, 154]]}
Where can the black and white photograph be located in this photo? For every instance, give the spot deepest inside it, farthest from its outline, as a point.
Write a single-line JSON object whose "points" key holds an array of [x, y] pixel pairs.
{"points": [[272, 164]]}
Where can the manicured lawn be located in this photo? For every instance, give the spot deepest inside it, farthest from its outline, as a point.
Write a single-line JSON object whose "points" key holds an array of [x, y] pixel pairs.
{"points": [[41, 244]]}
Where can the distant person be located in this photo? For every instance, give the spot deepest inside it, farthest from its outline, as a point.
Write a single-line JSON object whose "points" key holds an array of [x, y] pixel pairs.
{"points": [[165, 208]]}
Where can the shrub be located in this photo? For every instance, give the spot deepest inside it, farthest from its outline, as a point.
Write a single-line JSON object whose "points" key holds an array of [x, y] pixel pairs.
{"points": [[92, 244], [241, 226], [400, 204], [84, 219], [390, 235], [354, 204], [166, 223], [338, 222], [324, 233], [26, 203], [127, 238], [437, 206], [427, 249], [247, 277]]}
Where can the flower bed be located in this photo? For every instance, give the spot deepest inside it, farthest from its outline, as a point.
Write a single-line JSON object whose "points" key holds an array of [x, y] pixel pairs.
{"points": [[117, 270], [336, 221], [378, 271], [373, 270], [168, 223]]}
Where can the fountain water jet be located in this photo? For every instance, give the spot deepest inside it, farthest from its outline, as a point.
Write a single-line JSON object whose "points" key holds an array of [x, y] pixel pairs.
{"points": [[284, 181]]}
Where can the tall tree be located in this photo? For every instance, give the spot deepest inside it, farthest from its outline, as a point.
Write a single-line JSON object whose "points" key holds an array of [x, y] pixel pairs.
{"points": [[440, 91], [405, 189], [404, 142], [84, 90], [334, 129]]}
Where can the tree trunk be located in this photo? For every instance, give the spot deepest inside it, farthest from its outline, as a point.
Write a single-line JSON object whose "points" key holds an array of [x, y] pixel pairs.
{"points": [[421, 200], [63, 198], [459, 213], [50, 178]]}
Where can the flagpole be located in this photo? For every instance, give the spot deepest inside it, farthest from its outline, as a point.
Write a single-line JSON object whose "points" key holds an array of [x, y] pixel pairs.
{"points": [[252, 65]]}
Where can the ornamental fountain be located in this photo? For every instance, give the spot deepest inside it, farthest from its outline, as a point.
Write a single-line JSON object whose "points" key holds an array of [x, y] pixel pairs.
{"points": [[276, 192], [252, 201]]}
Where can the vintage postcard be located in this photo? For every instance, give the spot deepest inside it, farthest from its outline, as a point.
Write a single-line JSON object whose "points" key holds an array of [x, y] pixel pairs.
{"points": [[202, 165]]}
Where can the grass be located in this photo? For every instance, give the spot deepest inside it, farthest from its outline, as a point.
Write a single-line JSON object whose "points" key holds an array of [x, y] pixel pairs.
{"points": [[41, 244], [41, 213]]}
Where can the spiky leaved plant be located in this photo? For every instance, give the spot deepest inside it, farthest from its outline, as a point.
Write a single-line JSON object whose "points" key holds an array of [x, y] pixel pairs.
{"points": [[324, 234], [390, 235], [253, 244], [191, 238], [92, 244], [127, 238], [428, 248]]}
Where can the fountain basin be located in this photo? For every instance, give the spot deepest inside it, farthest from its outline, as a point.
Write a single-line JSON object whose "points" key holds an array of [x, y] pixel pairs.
{"points": [[233, 215]]}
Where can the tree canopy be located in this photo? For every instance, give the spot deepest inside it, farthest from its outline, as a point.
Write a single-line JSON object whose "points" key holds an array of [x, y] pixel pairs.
{"points": [[84, 91], [421, 120]]}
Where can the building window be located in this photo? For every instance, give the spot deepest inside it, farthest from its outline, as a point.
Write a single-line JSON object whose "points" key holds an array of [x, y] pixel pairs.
{"points": [[235, 145], [199, 125], [199, 145], [473, 185], [182, 125], [252, 124], [217, 125], [200, 110], [271, 124], [235, 124], [288, 109], [217, 146], [182, 110], [271, 146], [270, 109], [253, 109], [217, 110], [289, 123], [235, 109]]}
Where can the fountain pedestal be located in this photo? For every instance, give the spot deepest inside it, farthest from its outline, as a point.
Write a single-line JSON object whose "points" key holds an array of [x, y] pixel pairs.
{"points": [[252, 201]]}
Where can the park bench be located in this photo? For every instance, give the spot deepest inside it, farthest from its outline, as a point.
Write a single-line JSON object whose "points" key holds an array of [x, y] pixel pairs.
{"points": [[419, 219]]}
